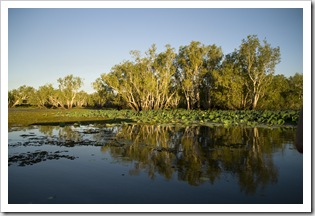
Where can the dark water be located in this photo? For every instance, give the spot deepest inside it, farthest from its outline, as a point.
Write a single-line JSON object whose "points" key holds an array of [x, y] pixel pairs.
{"points": [[133, 164]]}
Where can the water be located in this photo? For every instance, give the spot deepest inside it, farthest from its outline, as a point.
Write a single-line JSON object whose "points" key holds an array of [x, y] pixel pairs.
{"points": [[140, 164]]}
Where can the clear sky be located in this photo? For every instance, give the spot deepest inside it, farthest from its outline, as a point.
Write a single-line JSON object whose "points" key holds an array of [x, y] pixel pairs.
{"points": [[47, 44]]}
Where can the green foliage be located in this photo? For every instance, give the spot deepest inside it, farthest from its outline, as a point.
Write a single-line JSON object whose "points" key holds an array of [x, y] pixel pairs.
{"points": [[69, 87], [284, 93], [157, 117], [147, 83], [23, 95], [46, 96], [190, 61], [229, 91], [197, 77], [258, 63], [294, 95], [182, 116], [103, 96]]}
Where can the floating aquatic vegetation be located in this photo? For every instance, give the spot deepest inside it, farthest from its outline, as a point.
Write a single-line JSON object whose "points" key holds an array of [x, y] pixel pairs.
{"points": [[38, 156], [187, 117]]}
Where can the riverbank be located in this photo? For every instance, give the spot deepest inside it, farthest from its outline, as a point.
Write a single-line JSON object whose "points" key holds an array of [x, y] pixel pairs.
{"points": [[32, 116]]}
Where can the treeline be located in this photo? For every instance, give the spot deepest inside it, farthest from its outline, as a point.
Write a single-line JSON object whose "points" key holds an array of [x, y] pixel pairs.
{"points": [[197, 77]]}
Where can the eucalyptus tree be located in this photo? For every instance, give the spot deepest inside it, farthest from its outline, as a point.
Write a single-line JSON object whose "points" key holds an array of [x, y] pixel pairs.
{"points": [[258, 63], [145, 83], [21, 95], [166, 91], [81, 99], [42, 96], [11, 97], [95, 100], [229, 90], [56, 97], [191, 69], [69, 87], [214, 56], [104, 94], [122, 79], [276, 94], [294, 96], [48, 96]]}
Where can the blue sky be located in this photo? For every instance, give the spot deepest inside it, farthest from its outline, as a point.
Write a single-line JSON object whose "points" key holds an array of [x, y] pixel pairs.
{"points": [[47, 44]]}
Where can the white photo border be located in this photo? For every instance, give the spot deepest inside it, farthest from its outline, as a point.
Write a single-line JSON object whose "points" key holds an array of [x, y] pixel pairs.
{"points": [[307, 162]]}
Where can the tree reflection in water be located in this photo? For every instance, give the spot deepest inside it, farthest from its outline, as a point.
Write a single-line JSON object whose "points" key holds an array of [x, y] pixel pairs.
{"points": [[198, 154], [194, 154], [71, 136]]}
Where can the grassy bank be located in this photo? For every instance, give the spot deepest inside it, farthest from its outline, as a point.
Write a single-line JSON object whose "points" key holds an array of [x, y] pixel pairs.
{"points": [[29, 116]]}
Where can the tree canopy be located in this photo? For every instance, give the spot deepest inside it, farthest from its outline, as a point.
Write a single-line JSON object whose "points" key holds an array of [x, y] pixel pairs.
{"points": [[198, 76]]}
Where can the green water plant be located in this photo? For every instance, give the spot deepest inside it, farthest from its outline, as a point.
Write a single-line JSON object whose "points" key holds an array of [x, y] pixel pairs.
{"points": [[156, 117]]}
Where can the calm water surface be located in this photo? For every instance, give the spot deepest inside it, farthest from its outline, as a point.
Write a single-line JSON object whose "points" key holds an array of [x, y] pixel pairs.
{"points": [[139, 164]]}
